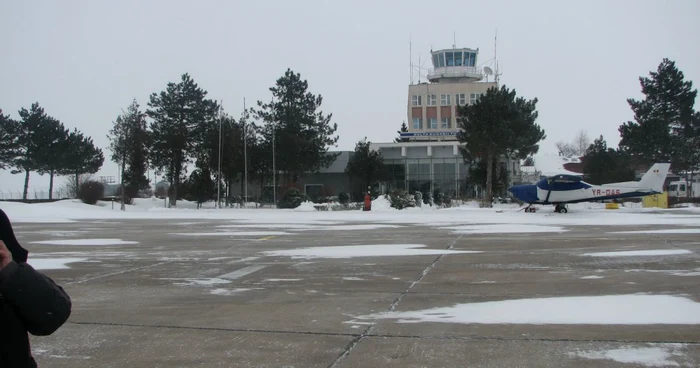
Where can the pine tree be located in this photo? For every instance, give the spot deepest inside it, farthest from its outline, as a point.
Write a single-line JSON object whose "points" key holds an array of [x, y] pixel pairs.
{"points": [[498, 124], [180, 115], [51, 154], [129, 145], [31, 131], [82, 158], [9, 140], [656, 135], [366, 164], [302, 132], [606, 165], [404, 129]]}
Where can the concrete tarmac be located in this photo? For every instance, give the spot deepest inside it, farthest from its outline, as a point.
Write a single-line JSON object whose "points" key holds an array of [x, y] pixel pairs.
{"points": [[174, 300]]}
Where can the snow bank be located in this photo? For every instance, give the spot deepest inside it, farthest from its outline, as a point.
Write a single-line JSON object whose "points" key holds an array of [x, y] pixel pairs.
{"points": [[306, 207], [382, 204]]}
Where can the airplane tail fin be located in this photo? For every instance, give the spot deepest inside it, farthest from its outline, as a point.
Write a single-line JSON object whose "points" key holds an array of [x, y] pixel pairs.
{"points": [[655, 177]]}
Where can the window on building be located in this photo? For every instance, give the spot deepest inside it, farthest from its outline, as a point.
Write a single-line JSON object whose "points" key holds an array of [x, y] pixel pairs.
{"points": [[417, 100], [446, 123], [474, 97], [445, 100], [449, 59], [462, 99], [433, 123], [432, 100], [458, 58], [441, 59], [417, 123]]}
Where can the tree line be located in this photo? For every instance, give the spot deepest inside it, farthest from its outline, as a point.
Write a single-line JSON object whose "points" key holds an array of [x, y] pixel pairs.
{"points": [[666, 128], [41, 143], [181, 127]]}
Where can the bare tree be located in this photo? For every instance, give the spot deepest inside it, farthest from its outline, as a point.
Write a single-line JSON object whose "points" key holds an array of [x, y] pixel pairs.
{"points": [[577, 147]]}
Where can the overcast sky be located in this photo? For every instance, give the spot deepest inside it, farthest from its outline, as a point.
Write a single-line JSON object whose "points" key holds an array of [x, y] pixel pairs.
{"points": [[84, 61]]}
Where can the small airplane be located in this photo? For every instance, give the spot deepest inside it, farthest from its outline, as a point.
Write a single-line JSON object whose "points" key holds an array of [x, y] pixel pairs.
{"points": [[560, 190]]}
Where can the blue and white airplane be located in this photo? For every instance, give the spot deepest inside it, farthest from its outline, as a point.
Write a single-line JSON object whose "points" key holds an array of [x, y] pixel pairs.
{"points": [[562, 189]]}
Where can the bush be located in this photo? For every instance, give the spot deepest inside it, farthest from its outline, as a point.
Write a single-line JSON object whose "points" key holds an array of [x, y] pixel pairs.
{"points": [[401, 199], [428, 198], [418, 197], [292, 199], [344, 198], [91, 191], [442, 200]]}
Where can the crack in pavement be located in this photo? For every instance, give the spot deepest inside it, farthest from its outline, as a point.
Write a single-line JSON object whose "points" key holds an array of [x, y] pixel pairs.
{"points": [[384, 336], [392, 307]]}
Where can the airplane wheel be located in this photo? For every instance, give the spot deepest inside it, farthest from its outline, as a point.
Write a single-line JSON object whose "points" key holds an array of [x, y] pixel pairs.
{"points": [[563, 210]]}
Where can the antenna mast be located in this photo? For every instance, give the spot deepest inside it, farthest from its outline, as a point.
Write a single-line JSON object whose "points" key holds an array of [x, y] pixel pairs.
{"points": [[495, 55], [410, 56]]}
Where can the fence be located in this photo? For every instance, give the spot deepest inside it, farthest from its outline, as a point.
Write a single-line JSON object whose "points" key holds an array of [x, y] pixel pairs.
{"points": [[33, 195]]}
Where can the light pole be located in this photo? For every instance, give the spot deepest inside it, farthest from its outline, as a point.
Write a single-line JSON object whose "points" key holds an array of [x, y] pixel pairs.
{"points": [[245, 156], [218, 177], [274, 171]]}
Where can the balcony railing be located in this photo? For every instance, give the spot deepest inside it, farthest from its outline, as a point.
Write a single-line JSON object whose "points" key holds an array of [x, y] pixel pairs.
{"points": [[470, 72]]}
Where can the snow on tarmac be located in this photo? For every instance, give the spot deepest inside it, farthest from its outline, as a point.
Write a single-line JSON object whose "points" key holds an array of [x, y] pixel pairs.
{"points": [[86, 242], [73, 210], [640, 253], [236, 233], [652, 356], [53, 263], [372, 250], [632, 309], [504, 229], [664, 231]]}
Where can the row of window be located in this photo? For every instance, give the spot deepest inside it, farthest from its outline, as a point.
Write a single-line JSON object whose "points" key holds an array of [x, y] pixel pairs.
{"points": [[446, 123], [446, 100], [454, 58]]}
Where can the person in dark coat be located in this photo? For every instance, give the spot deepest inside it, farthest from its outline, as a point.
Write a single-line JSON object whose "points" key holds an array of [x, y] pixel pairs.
{"points": [[30, 302]]}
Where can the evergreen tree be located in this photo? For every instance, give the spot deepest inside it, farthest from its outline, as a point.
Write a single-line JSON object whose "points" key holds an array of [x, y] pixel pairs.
{"points": [[51, 154], [9, 143], [404, 129], [129, 145], [529, 161], [498, 124], [83, 157], [30, 132], [656, 135], [606, 165], [366, 164], [201, 187], [180, 116], [302, 132]]}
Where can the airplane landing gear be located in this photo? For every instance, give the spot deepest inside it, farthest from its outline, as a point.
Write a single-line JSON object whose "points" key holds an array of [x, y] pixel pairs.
{"points": [[560, 208]]}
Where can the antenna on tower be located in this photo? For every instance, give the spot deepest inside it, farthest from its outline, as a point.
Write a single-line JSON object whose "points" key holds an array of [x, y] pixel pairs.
{"points": [[410, 56], [496, 75]]}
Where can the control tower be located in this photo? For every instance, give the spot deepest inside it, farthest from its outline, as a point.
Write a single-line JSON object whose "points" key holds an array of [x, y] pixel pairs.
{"points": [[455, 80], [455, 66]]}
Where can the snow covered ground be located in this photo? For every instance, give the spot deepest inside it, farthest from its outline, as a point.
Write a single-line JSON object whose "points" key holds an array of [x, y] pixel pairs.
{"points": [[468, 214]]}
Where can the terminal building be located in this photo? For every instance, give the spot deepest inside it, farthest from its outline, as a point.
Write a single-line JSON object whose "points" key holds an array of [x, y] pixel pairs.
{"points": [[429, 159]]}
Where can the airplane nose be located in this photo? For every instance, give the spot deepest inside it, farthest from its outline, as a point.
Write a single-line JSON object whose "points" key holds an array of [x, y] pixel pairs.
{"points": [[526, 193]]}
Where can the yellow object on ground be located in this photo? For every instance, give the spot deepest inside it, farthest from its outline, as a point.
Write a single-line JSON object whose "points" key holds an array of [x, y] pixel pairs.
{"points": [[612, 206], [656, 200]]}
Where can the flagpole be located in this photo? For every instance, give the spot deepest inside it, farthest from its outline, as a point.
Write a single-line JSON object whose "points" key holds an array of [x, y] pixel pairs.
{"points": [[245, 154]]}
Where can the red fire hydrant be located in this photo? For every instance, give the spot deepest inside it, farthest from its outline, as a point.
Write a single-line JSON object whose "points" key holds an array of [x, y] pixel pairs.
{"points": [[368, 203]]}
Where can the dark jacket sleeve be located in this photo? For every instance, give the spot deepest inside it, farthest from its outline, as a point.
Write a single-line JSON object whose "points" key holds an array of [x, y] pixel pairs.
{"points": [[40, 303]]}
